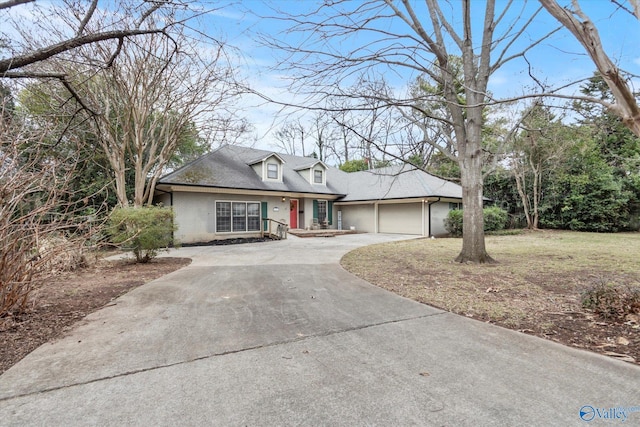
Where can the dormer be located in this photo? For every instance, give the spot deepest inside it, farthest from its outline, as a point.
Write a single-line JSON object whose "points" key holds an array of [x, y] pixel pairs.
{"points": [[268, 167], [315, 173]]}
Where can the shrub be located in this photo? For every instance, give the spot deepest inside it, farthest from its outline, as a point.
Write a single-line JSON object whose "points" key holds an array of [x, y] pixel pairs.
{"points": [[453, 223], [144, 231], [611, 300], [495, 219]]}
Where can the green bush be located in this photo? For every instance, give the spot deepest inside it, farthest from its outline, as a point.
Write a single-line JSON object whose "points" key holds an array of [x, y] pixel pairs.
{"points": [[495, 219], [611, 300], [453, 223], [144, 231]]}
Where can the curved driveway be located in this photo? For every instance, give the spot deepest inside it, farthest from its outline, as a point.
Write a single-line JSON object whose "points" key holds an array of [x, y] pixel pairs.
{"points": [[279, 334]]}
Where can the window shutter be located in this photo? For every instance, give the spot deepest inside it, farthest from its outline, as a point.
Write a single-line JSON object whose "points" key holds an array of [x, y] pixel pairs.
{"points": [[330, 212], [315, 210], [265, 224]]}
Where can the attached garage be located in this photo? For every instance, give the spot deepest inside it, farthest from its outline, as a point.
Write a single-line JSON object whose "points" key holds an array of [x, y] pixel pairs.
{"points": [[400, 218]]}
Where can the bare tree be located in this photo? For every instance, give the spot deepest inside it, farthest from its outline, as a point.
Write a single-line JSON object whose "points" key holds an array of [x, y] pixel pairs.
{"points": [[29, 48], [155, 89], [322, 133], [291, 138], [405, 37], [584, 30], [538, 146], [41, 229]]}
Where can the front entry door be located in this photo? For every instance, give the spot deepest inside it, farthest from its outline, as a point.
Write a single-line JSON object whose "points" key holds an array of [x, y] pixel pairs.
{"points": [[293, 213]]}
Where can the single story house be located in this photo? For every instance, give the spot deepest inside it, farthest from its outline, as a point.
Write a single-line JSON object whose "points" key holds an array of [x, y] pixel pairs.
{"points": [[229, 191]]}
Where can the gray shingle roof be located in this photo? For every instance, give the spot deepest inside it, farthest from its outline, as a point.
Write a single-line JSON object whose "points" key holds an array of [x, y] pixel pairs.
{"points": [[229, 167], [398, 182]]}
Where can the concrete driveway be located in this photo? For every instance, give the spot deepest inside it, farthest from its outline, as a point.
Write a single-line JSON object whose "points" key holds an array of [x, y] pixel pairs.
{"points": [[279, 334]]}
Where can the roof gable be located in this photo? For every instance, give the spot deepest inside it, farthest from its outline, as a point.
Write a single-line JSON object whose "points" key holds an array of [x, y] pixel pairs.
{"points": [[311, 165], [263, 158]]}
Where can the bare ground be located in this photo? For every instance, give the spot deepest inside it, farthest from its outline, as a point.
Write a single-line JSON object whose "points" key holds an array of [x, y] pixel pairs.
{"points": [[535, 288], [68, 297]]}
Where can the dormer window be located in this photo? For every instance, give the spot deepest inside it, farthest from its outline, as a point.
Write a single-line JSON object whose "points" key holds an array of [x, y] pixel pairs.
{"points": [[314, 172], [268, 167], [272, 170]]}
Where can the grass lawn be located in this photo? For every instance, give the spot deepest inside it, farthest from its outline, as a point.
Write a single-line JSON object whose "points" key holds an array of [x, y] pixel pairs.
{"points": [[535, 288]]}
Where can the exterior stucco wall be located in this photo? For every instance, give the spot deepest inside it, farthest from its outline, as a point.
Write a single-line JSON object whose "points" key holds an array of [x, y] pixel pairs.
{"points": [[196, 222], [307, 217], [439, 212], [195, 215]]}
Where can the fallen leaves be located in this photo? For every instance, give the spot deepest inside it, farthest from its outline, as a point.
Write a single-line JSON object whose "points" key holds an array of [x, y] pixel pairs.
{"points": [[622, 341]]}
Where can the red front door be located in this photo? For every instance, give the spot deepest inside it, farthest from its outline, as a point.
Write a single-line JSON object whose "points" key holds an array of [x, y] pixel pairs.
{"points": [[293, 214]]}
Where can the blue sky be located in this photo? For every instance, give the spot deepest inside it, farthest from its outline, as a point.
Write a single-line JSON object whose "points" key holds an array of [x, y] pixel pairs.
{"points": [[556, 61]]}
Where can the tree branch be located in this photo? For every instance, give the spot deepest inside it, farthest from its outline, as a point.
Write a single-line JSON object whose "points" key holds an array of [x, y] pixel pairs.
{"points": [[87, 18], [11, 3], [44, 53]]}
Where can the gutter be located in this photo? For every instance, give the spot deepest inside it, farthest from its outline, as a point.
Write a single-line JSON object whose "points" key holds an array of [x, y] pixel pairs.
{"points": [[170, 193]]}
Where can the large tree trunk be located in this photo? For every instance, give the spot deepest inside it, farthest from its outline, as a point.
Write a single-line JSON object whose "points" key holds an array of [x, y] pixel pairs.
{"points": [[468, 122], [473, 247]]}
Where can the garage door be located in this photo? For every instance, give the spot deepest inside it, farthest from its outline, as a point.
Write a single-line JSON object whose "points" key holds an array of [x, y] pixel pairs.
{"points": [[403, 218]]}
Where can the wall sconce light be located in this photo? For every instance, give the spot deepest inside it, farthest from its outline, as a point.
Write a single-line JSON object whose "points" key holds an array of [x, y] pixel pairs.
{"points": [[283, 199]]}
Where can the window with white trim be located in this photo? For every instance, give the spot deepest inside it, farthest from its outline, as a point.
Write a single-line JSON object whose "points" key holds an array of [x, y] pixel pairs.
{"points": [[237, 216], [455, 206], [318, 177], [223, 216], [272, 170]]}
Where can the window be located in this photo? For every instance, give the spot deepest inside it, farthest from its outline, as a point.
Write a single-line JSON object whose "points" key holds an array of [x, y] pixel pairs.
{"points": [[237, 216], [317, 177], [253, 216], [455, 206], [322, 211], [223, 216], [272, 170]]}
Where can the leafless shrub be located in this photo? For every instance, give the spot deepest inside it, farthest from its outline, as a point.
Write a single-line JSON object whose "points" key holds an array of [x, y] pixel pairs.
{"points": [[39, 222], [611, 300]]}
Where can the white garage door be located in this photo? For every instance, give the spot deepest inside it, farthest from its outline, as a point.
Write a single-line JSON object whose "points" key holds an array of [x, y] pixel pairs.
{"points": [[402, 218]]}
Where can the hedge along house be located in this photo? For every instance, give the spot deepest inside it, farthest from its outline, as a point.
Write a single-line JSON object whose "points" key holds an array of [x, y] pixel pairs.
{"points": [[226, 194]]}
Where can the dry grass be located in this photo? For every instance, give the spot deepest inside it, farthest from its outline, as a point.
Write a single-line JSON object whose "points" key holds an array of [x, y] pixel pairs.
{"points": [[535, 287]]}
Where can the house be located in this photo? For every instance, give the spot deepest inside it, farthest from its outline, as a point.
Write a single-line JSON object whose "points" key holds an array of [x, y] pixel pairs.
{"points": [[228, 192]]}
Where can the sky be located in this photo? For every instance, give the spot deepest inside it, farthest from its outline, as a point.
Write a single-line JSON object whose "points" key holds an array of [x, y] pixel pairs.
{"points": [[242, 23], [557, 61]]}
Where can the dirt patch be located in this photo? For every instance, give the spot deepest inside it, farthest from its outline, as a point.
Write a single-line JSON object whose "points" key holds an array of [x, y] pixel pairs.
{"points": [[535, 288], [63, 300]]}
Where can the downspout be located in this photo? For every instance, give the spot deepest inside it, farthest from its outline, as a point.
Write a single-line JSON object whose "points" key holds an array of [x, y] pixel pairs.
{"points": [[429, 203], [375, 217], [170, 193]]}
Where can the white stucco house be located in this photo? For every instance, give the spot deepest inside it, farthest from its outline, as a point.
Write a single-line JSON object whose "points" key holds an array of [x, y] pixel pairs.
{"points": [[228, 192]]}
